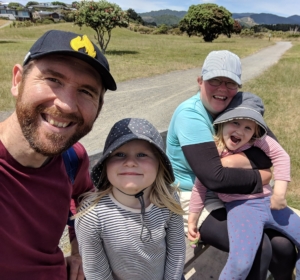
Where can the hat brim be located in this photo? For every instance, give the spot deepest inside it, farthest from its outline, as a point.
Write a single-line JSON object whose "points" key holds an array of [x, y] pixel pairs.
{"points": [[243, 113], [222, 73], [97, 169], [107, 78]]}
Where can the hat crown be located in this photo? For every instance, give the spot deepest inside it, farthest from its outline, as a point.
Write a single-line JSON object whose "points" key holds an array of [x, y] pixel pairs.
{"points": [[133, 128], [127, 130], [72, 44], [244, 105], [246, 100], [222, 63]]}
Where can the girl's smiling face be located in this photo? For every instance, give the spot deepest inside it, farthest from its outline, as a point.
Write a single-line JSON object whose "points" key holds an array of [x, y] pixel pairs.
{"points": [[238, 132], [133, 167]]}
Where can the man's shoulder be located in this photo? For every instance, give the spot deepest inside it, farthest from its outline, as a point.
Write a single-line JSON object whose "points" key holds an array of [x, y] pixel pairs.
{"points": [[79, 148]]}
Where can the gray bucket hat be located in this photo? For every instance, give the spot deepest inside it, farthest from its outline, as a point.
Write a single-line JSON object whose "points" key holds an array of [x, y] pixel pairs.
{"points": [[245, 105], [125, 131], [222, 64]]}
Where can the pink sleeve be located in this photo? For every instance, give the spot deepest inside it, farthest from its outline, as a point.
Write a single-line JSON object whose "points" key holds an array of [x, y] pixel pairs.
{"points": [[197, 197], [278, 156]]}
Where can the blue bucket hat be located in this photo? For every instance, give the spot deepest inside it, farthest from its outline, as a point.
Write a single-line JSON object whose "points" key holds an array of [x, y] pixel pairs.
{"points": [[125, 131], [245, 105], [76, 45]]}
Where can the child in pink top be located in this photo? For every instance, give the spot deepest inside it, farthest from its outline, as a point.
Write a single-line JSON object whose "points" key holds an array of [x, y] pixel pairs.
{"points": [[236, 130]]}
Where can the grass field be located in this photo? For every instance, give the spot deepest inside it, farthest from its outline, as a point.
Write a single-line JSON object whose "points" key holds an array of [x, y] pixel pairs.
{"points": [[132, 55]]}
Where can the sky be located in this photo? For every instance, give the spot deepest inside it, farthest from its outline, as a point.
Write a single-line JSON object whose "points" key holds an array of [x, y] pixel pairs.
{"points": [[283, 8]]}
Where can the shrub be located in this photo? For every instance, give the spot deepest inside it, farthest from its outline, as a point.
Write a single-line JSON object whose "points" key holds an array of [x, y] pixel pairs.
{"points": [[47, 21], [176, 31], [145, 30], [162, 29]]}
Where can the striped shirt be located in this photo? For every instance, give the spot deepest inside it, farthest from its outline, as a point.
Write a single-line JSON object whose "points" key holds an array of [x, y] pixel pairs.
{"points": [[110, 245], [281, 163]]}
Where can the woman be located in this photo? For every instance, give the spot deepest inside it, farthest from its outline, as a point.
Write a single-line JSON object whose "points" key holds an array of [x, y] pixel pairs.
{"points": [[192, 151]]}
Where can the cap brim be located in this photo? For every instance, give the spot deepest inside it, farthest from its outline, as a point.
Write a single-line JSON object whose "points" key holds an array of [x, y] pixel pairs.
{"points": [[222, 73]]}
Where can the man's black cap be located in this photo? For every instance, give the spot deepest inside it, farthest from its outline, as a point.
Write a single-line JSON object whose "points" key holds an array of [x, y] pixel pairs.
{"points": [[76, 45]]}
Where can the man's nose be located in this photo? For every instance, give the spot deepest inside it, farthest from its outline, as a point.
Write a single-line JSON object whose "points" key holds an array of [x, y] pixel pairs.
{"points": [[66, 99]]}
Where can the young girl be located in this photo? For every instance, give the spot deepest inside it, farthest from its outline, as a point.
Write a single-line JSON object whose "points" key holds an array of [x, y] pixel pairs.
{"points": [[248, 215], [131, 227]]}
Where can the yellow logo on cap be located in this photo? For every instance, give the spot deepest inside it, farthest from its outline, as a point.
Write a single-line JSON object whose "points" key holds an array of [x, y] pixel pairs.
{"points": [[84, 42]]}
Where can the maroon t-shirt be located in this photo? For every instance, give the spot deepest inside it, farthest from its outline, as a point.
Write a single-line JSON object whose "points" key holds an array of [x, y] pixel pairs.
{"points": [[34, 207]]}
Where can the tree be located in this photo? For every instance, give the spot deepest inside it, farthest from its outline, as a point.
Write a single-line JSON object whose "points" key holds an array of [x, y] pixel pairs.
{"points": [[31, 3], [134, 16], [14, 5], [74, 4], [237, 28], [101, 16], [209, 20], [58, 3]]}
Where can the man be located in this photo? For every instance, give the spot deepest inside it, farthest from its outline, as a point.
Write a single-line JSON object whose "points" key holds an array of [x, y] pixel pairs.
{"points": [[59, 93]]}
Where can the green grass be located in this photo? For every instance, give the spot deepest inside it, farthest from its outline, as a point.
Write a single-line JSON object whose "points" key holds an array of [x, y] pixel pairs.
{"points": [[279, 89], [132, 55]]}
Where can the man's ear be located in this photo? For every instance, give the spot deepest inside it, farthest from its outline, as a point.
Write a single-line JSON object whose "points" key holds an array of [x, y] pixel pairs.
{"points": [[16, 79]]}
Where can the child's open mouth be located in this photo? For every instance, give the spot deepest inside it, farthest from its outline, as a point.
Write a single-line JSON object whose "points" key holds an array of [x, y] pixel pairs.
{"points": [[235, 140]]}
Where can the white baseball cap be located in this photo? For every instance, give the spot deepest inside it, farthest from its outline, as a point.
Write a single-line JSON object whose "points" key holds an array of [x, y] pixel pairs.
{"points": [[222, 64]]}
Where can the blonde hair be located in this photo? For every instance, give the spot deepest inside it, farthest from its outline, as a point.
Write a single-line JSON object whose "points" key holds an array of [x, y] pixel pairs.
{"points": [[162, 194], [219, 140]]}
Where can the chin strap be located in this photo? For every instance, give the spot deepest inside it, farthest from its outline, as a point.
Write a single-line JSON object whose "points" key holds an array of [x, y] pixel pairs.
{"points": [[140, 197]]}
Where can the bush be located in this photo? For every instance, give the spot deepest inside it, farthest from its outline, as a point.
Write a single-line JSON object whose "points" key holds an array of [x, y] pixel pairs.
{"points": [[145, 30], [47, 21], [293, 36], [176, 31], [162, 29]]}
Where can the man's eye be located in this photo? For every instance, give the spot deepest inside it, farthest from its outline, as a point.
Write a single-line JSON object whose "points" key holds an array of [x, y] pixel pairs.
{"points": [[84, 91], [54, 80], [235, 123]]}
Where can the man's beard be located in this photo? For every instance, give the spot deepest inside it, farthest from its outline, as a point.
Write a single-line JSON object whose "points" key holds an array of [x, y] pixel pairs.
{"points": [[28, 117]]}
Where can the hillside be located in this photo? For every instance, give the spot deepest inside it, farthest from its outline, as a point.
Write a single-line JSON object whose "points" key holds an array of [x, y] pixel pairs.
{"points": [[265, 18], [179, 14], [170, 17]]}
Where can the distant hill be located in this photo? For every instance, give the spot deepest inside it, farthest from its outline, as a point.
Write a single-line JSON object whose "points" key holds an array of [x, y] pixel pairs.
{"points": [[171, 17], [179, 14], [264, 18], [168, 17]]}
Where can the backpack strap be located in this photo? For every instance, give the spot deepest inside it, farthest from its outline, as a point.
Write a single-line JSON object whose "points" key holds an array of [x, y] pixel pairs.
{"points": [[71, 163]]}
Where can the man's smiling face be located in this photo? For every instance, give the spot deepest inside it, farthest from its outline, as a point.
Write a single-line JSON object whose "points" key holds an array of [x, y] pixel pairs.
{"points": [[58, 102]]}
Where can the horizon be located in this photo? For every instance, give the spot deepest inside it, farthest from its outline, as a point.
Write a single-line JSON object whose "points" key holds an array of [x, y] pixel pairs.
{"points": [[231, 12], [280, 8]]}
